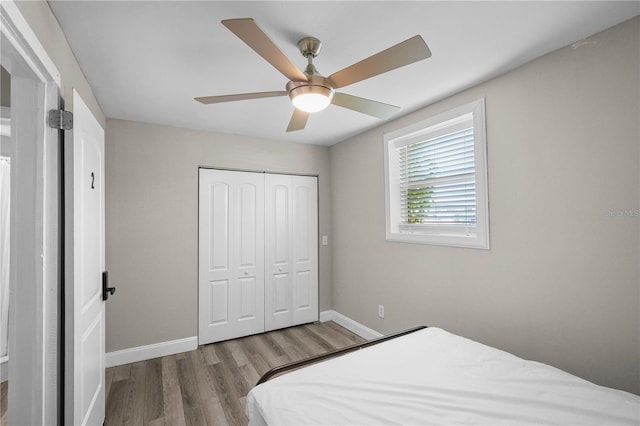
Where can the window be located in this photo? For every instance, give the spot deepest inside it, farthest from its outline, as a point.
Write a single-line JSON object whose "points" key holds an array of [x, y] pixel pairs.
{"points": [[436, 180]]}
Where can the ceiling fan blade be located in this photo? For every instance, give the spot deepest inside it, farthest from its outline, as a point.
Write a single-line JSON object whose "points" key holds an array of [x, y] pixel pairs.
{"points": [[247, 30], [405, 53], [239, 97], [365, 106], [298, 120]]}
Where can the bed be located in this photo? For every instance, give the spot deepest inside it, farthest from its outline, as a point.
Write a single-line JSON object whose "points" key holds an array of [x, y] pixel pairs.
{"points": [[428, 376]]}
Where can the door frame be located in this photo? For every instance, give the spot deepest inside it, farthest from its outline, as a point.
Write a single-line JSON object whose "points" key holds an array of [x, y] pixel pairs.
{"points": [[35, 308]]}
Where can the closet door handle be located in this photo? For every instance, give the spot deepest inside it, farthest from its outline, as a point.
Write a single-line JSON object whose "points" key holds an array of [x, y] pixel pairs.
{"points": [[106, 290]]}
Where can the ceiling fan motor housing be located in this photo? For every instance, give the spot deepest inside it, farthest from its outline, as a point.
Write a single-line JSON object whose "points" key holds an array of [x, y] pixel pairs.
{"points": [[312, 81], [309, 46]]}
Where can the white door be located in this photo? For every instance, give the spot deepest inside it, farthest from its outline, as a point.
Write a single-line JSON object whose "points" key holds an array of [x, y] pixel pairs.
{"points": [[291, 255], [231, 255], [84, 264]]}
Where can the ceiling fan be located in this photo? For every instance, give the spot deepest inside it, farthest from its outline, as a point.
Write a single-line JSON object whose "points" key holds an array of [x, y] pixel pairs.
{"points": [[308, 90]]}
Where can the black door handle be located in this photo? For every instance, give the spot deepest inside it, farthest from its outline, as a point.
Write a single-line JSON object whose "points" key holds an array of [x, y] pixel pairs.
{"points": [[106, 290]]}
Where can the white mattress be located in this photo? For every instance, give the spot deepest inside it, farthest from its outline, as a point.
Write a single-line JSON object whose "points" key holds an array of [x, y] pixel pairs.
{"points": [[432, 377]]}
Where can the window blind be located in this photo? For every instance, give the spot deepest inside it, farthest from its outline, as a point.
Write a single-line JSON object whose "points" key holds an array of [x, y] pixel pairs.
{"points": [[437, 180]]}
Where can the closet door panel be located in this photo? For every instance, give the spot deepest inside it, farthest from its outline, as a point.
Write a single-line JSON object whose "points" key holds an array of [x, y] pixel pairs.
{"points": [[247, 297], [278, 239], [303, 290], [305, 249], [281, 219], [217, 297], [218, 225], [248, 226], [282, 294]]}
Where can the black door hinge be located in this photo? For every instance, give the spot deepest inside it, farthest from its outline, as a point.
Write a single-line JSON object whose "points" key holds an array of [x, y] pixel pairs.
{"points": [[60, 119]]}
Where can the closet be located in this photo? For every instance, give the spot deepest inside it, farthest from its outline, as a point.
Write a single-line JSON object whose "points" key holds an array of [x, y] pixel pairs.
{"points": [[257, 253]]}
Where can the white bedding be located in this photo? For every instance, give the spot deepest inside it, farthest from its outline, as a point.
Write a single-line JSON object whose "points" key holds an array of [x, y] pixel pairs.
{"points": [[432, 377]]}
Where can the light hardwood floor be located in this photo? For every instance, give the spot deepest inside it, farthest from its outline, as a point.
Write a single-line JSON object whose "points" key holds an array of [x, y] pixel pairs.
{"points": [[208, 386]]}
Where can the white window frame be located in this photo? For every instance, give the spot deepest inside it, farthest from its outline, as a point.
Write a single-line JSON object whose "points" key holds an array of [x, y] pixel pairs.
{"points": [[446, 235]]}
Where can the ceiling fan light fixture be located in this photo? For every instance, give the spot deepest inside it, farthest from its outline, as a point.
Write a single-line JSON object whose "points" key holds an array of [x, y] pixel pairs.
{"points": [[311, 98]]}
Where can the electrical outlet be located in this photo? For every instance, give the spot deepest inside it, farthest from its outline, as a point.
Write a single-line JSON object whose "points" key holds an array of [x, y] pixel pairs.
{"points": [[325, 240], [380, 311]]}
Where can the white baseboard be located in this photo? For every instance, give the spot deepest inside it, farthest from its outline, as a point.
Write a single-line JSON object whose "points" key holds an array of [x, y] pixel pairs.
{"points": [[156, 350], [142, 353], [351, 325]]}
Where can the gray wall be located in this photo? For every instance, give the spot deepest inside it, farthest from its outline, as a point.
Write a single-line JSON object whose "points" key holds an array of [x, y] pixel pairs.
{"points": [[151, 221], [561, 281]]}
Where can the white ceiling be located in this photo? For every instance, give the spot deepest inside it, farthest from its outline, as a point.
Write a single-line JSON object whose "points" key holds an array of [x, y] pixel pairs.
{"points": [[146, 61]]}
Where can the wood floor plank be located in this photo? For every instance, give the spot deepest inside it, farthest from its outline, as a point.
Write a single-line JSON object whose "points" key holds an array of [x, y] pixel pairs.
{"points": [[352, 338], [318, 340], [156, 422], [257, 360], [237, 352], [153, 402], [280, 338], [227, 394], [208, 386], [324, 332], [250, 375], [230, 368], [188, 384], [305, 345], [122, 372], [295, 353], [273, 345], [115, 408], [214, 413], [4, 397], [261, 346], [203, 379], [136, 395], [210, 354], [194, 416], [171, 392], [108, 379]]}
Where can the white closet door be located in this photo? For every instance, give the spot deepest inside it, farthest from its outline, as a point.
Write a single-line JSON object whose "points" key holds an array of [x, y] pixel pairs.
{"points": [[291, 256], [231, 255]]}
